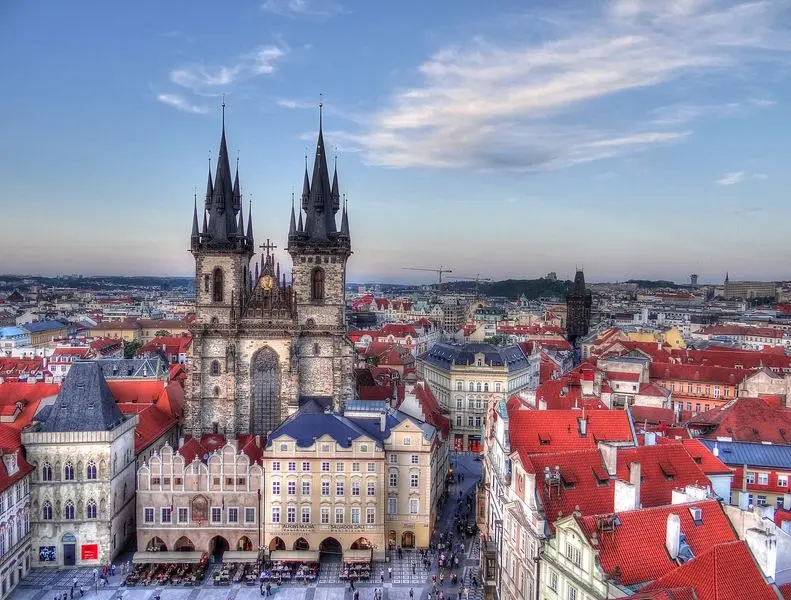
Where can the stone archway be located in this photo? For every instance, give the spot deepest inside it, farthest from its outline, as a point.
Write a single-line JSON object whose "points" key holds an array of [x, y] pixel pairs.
{"points": [[218, 545], [244, 544], [330, 546], [276, 544], [264, 391], [156, 544], [361, 544], [184, 544], [408, 539], [301, 545]]}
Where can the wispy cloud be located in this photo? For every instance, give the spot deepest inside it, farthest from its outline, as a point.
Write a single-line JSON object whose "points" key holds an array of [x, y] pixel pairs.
{"points": [[731, 178], [302, 8], [289, 103], [501, 105], [180, 103], [200, 79], [748, 211]]}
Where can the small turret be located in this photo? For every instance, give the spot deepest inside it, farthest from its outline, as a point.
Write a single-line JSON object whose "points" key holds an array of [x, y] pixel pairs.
{"points": [[250, 223], [292, 226], [195, 233], [345, 218], [336, 199]]}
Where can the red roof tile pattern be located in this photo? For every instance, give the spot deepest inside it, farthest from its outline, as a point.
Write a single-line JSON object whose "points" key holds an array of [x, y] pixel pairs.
{"points": [[732, 359], [742, 331], [23, 467], [622, 376], [701, 373], [652, 415], [637, 546], [703, 457], [666, 594], [200, 449], [541, 431], [785, 591], [431, 408], [745, 419], [726, 571]]}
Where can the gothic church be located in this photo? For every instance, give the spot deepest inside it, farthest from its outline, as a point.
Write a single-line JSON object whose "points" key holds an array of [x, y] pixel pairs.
{"points": [[262, 342]]}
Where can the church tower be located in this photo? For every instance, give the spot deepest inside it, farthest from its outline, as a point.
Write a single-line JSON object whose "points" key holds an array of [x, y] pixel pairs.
{"points": [[578, 309], [319, 251]]}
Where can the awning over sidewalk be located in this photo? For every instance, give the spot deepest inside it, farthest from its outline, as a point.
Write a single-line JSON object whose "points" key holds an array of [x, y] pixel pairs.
{"points": [[240, 556], [357, 556], [157, 558], [306, 556]]}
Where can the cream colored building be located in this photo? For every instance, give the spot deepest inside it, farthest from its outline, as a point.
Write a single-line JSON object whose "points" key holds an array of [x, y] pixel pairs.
{"points": [[465, 378], [356, 480], [205, 496], [83, 491], [15, 546]]}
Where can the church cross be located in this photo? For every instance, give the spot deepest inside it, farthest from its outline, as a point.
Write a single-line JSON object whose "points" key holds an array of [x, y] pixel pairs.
{"points": [[268, 246]]}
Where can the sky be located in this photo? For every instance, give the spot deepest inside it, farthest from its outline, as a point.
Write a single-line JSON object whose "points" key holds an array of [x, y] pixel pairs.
{"points": [[632, 138]]}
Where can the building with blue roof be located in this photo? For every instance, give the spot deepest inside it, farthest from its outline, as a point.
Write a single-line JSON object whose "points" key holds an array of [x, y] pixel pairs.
{"points": [[13, 337], [44, 332], [465, 378]]}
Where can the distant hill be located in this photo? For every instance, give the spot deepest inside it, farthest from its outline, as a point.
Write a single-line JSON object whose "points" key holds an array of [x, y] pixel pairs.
{"points": [[514, 288], [649, 284]]}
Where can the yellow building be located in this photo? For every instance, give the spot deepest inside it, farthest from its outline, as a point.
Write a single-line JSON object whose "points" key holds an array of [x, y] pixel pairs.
{"points": [[45, 332], [672, 337], [119, 330], [150, 327]]}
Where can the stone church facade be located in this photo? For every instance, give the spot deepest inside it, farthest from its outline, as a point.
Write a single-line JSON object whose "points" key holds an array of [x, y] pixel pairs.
{"points": [[262, 341]]}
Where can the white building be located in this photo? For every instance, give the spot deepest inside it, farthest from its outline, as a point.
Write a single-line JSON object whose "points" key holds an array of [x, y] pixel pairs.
{"points": [[14, 520]]}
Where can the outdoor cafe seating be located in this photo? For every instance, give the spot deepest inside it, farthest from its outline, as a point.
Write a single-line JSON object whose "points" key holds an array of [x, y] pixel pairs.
{"points": [[167, 568]]}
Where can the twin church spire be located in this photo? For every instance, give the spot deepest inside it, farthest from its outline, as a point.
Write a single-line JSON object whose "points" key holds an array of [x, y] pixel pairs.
{"points": [[223, 214]]}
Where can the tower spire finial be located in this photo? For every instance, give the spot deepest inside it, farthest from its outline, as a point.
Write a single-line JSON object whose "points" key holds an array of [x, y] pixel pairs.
{"points": [[321, 110], [223, 111]]}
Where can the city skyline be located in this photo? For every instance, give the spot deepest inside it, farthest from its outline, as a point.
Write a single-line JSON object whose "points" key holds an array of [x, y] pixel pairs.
{"points": [[635, 140]]}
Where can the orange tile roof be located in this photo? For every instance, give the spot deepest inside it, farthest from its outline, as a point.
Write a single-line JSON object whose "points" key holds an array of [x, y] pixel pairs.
{"points": [[708, 463], [540, 431], [666, 594], [622, 376], [637, 546], [745, 419], [723, 572], [701, 373]]}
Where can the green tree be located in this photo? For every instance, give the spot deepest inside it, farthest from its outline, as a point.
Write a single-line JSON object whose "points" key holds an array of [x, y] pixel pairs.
{"points": [[131, 347], [162, 333]]}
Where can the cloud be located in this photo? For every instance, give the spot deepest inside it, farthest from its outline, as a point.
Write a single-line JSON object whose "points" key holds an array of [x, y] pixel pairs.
{"points": [[182, 104], [288, 103], [302, 8], [521, 105], [201, 79], [750, 211], [731, 178]]}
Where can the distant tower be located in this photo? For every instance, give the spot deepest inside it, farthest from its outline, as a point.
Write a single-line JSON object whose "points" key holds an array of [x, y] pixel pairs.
{"points": [[578, 309], [693, 279]]}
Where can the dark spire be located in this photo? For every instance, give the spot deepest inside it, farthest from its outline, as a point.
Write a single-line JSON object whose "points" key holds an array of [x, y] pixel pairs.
{"points": [[237, 194], [320, 217], [240, 229], [345, 218], [579, 283], [195, 232], [292, 226], [336, 197], [205, 224], [222, 219], [305, 187], [209, 188], [250, 221], [300, 226]]}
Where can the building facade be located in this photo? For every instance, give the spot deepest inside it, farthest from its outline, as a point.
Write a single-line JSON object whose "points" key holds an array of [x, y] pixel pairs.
{"points": [[578, 309], [15, 544], [83, 490], [260, 342]]}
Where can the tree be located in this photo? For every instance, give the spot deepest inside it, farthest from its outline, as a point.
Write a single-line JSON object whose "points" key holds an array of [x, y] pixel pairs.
{"points": [[131, 348], [162, 333]]}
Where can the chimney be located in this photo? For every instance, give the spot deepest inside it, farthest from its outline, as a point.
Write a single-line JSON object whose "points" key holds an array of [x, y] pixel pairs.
{"points": [[609, 454], [673, 535], [715, 451], [583, 424], [763, 544], [586, 383], [625, 497], [649, 438], [743, 504], [383, 422], [634, 479]]}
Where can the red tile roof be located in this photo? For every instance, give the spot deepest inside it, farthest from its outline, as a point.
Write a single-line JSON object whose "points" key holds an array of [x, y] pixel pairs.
{"points": [[785, 591], [652, 415], [23, 467], [666, 594], [742, 330], [725, 571], [398, 330], [637, 546], [622, 376], [431, 408], [708, 463], [702, 373], [194, 448], [730, 358], [745, 419], [539, 431], [566, 393]]}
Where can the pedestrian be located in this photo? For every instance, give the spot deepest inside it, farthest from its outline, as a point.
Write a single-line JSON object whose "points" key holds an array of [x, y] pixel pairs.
{"points": [[411, 593], [74, 582], [71, 594], [82, 591], [268, 589], [389, 572], [413, 569], [382, 576], [351, 583]]}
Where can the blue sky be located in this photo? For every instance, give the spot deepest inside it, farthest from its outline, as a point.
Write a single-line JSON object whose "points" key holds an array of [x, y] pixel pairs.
{"points": [[634, 138]]}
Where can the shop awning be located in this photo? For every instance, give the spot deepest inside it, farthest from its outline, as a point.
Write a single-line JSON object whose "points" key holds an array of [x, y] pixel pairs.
{"points": [[158, 558], [240, 556], [357, 556], [306, 556]]}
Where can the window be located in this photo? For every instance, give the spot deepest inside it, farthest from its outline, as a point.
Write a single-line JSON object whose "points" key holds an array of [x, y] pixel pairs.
{"points": [[458, 420], [414, 480], [553, 581], [276, 465], [750, 499], [393, 459], [407, 440], [306, 488], [316, 349], [284, 447], [183, 514], [571, 594], [206, 283], [68, 472], [291, 513], [292, 465], [763, 478], [472, 386], [325, 488], [355, 467], [165, 515], [414, 505], [496, 387], [750, 477], [46, 472], [215, 368], [371, 488], [68, 511], [275, 488], [782, 481], [355, 488], [574, 554], [392, 506], [415, 459], [780, 502], [355, 516], [249, 515], [363, 447], [339, 488], [478, 385], [324, 447], [339, 516], [317, 284], [325, 515], [305, 514], [339, 467], [233, 515], [217, 292], [325, 466], [46, 512], [477, 421], [372, 467], [275, 514], [370, 516], [216, 515], [470, 422], [305, 466], [716, 391], [158, 481], [459, 386], [761, 500], [459, 404], [292, 488], [90, 470], [393, 479], [485, 387]]}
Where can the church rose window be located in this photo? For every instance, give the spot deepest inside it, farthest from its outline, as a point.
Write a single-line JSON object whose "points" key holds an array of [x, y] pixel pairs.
{"points": [[317, 284], [217, 291]]}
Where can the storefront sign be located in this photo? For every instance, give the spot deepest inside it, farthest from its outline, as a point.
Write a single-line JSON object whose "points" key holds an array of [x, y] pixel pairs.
{"points": [[89, 552], [297, 527]]}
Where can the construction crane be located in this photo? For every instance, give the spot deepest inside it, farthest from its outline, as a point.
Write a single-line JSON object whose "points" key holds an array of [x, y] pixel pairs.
{"points": [[477, 279], [439, 273]]}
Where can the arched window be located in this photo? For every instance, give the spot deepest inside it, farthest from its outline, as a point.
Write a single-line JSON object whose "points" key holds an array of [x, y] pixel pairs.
{"points": [[46, 472], [68, 512], [485, 387], [216, 391], [215, 367], [46, 511], [206, 283], [90, 509], [315, 349], [217, 291], [472, 386], [68, 472], [478, 387], [317, 284], [90, 470]]}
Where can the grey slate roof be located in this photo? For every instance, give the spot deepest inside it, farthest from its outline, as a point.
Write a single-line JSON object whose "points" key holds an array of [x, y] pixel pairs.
{"points": [[754, 454], [112, 368], [84, 402], [444, 356]]}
